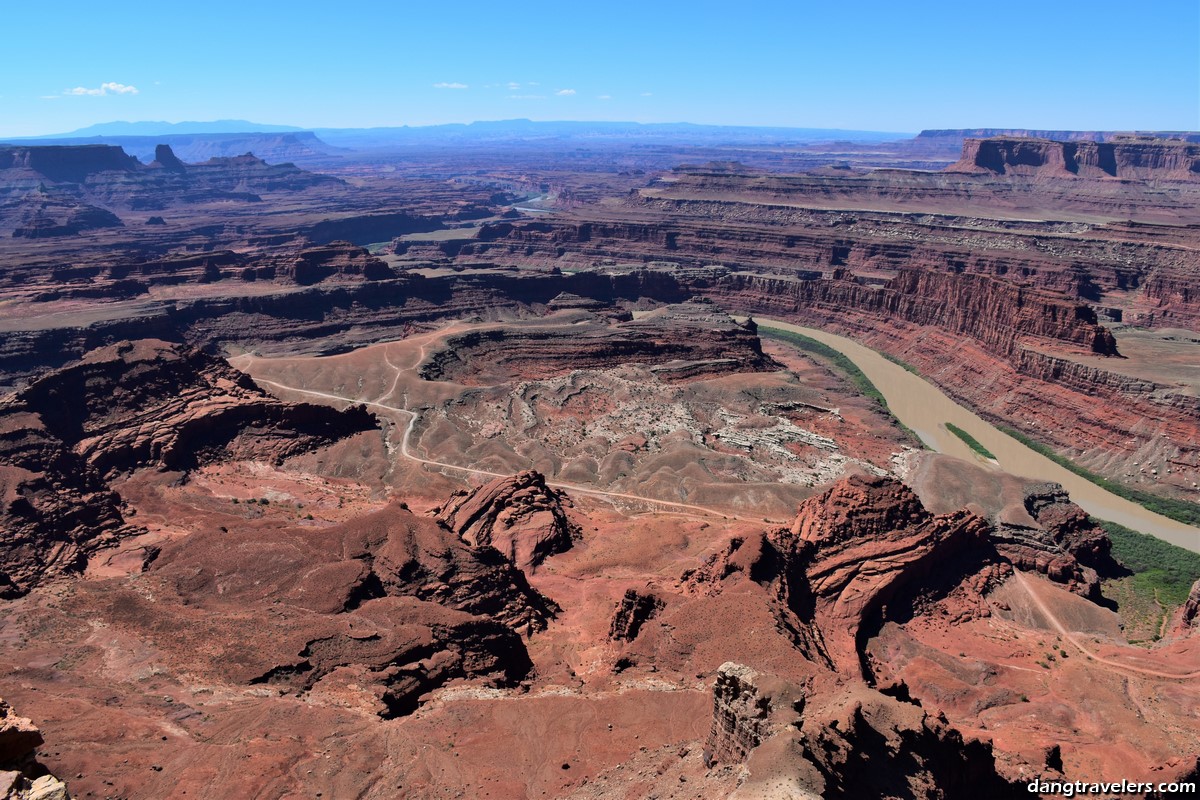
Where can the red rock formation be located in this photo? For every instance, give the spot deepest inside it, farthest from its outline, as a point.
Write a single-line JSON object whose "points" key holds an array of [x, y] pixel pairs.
{"points": [[1128, 157], [680, 341], [635, 610], [865, 542], [741, 711], [520, 516], [391, 602], [864, 744], [125, 407], [19, 737], [1068, 548], [1191, 609], [831, 741], [152, 403], [45, 215], [866, 551], [55, 509], [995, 313], [336, 259]]}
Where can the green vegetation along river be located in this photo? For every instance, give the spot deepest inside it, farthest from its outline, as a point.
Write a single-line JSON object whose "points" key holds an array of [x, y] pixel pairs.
{"points": [[925, 409]]}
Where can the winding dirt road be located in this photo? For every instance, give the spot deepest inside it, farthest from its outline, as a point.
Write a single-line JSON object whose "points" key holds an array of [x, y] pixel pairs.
{"points": [[406, 452], [1020, 578]]}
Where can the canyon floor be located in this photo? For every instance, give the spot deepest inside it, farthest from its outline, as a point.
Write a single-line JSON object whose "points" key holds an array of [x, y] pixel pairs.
{"points": [[377, 485]]}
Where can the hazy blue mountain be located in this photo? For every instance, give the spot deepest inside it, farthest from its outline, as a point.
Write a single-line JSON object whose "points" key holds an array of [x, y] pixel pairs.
{"points": [[169, 128], [524, 129]]}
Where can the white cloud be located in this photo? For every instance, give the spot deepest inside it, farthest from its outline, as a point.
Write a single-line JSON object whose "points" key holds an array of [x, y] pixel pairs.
{"points": [[604, 97], [513, 86], [105, 88], [647, 94], [527, 97], [565, 92], [445, 85], [534, 83]]}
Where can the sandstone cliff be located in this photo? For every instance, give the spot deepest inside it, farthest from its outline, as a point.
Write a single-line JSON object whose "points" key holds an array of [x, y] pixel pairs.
{"points": [[845, 742], [72, 164], [679, 341], [1128, 158]]}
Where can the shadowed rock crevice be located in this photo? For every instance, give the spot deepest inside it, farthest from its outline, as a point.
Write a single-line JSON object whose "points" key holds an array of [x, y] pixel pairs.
{"points": [[635, 610]]}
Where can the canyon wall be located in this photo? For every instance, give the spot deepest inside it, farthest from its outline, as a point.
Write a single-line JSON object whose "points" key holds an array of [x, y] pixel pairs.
{"points": [[1123, 158]]}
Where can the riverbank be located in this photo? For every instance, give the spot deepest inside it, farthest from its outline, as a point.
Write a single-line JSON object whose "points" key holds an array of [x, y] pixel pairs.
{"points": [[925, 409]]}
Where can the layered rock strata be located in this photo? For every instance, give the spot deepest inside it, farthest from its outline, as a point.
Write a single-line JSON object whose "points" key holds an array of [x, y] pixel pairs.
{"points": [[681, 341], [740, 715], [520, 517], [1129, 157], [635, 610], [864, 552]]}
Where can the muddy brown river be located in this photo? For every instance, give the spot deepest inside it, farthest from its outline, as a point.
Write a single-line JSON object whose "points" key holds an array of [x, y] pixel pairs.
{"points": [[923, 407]]}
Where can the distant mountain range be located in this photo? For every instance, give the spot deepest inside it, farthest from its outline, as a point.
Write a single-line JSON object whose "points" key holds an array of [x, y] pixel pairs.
{"points": [[524, 129], [481, 132], [170, 128]]}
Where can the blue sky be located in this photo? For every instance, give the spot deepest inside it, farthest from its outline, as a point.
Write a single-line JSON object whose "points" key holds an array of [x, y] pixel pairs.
{"points": [[896, 66]]}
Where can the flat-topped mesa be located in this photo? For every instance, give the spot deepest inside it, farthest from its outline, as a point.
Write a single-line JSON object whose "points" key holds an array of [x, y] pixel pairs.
{"points": [[1058, 136], [680, 341], [520, 516], [71, 164], [1133, 157], [337, 259], [106, 175]]}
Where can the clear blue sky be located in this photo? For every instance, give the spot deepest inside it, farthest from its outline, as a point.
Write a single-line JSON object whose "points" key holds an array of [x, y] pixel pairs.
{"points": [[896, 65]]}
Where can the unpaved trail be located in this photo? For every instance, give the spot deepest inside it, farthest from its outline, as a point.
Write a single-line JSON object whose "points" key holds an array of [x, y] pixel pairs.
{"points": [[1062, 630], [406, 452]]}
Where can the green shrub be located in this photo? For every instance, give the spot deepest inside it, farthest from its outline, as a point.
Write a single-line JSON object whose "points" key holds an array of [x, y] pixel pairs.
{"points": [[1160, 569], [838, 362], [841, 363], [970, 441]]}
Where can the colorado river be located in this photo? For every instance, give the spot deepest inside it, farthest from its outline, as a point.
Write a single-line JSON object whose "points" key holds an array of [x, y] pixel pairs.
{"points": [[924, 408]]}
